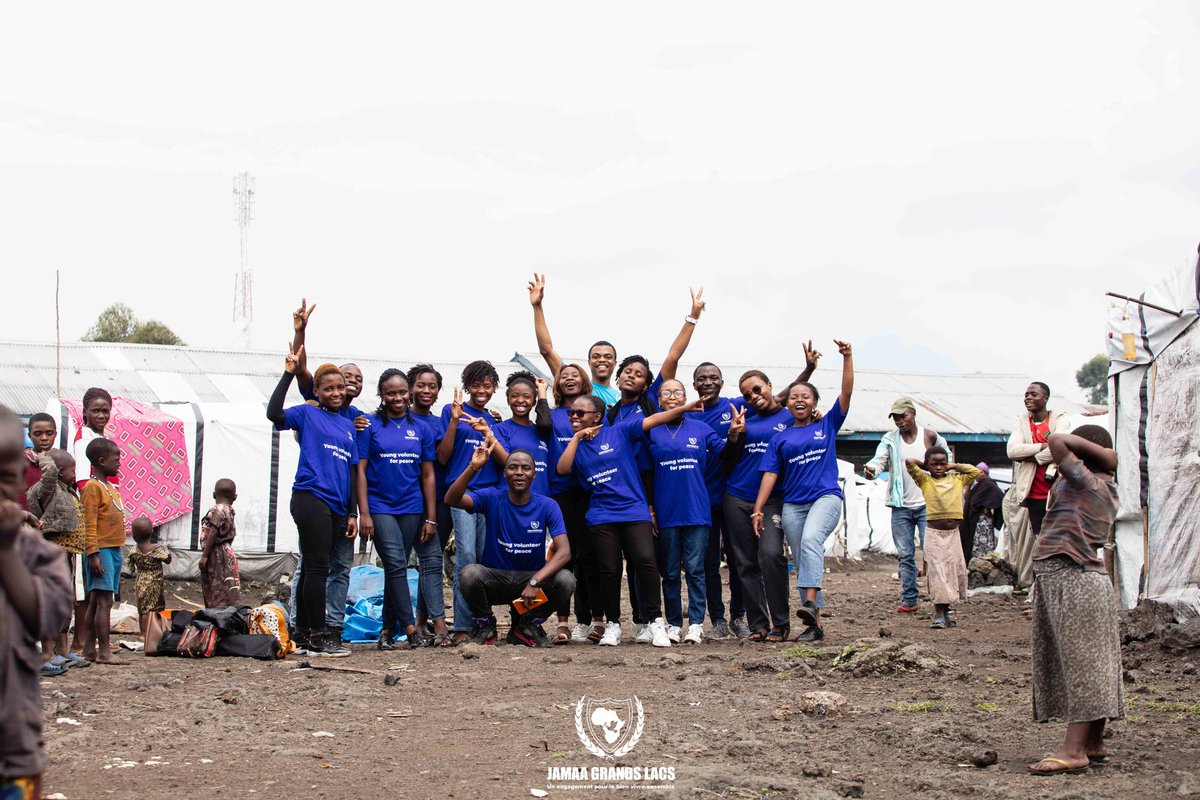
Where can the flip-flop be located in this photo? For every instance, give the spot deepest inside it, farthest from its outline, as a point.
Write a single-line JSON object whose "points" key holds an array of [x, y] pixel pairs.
{"points": [[77, 660], [1066, 768], [49, 670]]}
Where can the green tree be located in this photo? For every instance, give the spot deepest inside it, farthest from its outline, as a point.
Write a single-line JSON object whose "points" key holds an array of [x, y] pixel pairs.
{"points": [[1093, 377], [117, 323]]}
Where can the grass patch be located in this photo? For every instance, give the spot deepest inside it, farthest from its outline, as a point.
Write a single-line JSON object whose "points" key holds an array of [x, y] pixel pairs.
{"points": [[1175, 707], [922, 707], [804, 651], [988, 708], [849, 650]]}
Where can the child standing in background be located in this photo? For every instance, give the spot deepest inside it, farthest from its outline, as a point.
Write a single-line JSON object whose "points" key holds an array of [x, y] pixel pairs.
{"points": [[104, 523], [219, 574], [147, 559], [945, 569], [35, 603], [55, 500], [42, 433], [97, 409]]}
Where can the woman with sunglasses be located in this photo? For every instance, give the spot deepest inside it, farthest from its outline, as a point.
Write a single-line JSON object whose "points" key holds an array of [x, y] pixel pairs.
{"points": [[803, 460], [603, 457], [761, 565], [681, 453]]}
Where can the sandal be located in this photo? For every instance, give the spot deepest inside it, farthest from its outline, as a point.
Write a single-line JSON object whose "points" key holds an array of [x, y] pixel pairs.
{"points": [[1066, 768], [596, 633], [49, 670], [779, 634], [758, 635], [564, 635], [418, 639], [440, 640]]}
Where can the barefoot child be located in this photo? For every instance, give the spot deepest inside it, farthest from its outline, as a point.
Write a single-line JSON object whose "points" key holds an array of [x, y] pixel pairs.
{"points": [[104, 522], [219, 574], [1076, 644], [147, 558], [55, 500], [35, 603], [945, 569]]}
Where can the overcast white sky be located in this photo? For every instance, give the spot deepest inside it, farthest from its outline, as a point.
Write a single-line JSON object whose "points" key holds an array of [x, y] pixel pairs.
{"points": [[950, 186]]}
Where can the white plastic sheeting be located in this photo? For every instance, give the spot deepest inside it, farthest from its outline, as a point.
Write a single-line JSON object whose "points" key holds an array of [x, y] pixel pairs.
{"points": [[235, 441], [1156, 432]]}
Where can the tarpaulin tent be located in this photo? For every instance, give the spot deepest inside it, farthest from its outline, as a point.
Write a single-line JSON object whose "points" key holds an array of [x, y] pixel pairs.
{"points": [[236, 441], [1153, 384]]}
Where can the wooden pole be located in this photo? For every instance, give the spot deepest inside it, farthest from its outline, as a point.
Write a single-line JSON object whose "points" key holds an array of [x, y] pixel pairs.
{"points": [[57, 340]]}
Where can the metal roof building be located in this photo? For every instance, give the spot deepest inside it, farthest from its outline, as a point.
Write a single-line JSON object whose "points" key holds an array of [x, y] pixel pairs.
{"points": [[965, 407]]}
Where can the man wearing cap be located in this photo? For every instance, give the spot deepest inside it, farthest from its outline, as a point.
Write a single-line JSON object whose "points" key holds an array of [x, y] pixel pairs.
{"points": [[909, 440]]}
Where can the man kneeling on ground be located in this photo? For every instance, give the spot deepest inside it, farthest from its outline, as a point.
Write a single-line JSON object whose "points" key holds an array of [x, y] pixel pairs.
{"points": [[513, 563]]}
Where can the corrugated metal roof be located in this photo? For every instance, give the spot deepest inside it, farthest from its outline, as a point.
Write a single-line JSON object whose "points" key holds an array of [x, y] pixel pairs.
{"points": [[948, 403]]}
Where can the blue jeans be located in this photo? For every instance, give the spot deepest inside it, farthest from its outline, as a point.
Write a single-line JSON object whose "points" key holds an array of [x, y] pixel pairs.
{"points": [[906, 522], [469, 530], [690, 543], [341, 559], [807, 526], [395, 535]]}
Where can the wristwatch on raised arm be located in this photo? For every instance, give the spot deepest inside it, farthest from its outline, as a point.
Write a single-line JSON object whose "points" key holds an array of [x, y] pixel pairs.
{"points": [[533, 582]]}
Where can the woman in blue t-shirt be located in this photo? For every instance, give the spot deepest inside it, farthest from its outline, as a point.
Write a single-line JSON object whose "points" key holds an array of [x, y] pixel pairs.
{"points": [[322, 500], [397, 506], [572, 382], [804, 459], [603, 457], [759, 559], [680, 455], [424, 386], [523, 391]]}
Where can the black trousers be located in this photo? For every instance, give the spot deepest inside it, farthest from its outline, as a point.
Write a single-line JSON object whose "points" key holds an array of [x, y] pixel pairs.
{"points": [[718, 543], [636, 541], [574, 504], [760, 562], [1037, 513], [484, 587], [318, 526]]}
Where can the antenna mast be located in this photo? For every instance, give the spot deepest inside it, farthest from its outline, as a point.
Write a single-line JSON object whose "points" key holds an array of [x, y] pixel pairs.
{"points": [[243, 298]]}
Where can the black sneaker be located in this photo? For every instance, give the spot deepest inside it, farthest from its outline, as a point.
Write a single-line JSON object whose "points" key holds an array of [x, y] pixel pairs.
{"points": [[807, 613], [527, 634], [812, 633], [325, 646], [485, 631], [301, 640]]}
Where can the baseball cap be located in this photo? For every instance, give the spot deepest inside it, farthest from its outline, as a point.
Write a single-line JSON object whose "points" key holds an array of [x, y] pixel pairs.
{"points": [[902, 405]]}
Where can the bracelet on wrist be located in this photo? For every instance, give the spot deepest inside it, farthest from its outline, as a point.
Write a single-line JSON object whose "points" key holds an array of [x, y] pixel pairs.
{"points": [[431, 522], [689, 319]]}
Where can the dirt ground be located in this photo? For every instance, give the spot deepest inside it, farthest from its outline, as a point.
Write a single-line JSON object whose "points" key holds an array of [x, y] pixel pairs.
{"points": [[726, 716]]}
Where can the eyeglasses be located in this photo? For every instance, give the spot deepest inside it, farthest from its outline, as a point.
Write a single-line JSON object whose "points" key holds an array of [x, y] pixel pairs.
{"points": [[578, 412], [672, 393], [754, 390]]}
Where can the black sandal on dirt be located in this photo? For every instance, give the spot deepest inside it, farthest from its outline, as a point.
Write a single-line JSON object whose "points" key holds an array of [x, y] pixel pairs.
{"points": [[418, 638], [1065, 768], [440, 640], [779, 634], [758, 635], [813, 633], [385, 641], [807, 613]]}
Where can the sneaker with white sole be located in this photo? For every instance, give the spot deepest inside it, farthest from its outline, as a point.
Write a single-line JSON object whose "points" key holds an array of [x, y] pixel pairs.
{"points": [[658, 633], [739, 627], [674, 633], [612, 634], [695, 634], [579, 632], [642, 633], [720, 630]]}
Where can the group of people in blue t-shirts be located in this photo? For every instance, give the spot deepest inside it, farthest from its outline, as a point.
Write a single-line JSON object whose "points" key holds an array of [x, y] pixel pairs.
{"points": [[604, 471]]}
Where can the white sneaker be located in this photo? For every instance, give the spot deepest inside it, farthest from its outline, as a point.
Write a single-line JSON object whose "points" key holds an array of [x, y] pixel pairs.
{"points": [[612, 634], [579, 632], [674, 633], [658, 633], [642, 633], [695, 634]]}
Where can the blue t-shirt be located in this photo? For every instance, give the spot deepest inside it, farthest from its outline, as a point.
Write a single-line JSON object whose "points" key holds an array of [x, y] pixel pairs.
{"points": [[760, 430], [512, 435], [609, 394], [328, 451], [680, 455], [433, 424], [806, 458], [718, 418], [394, 451], [607, 468], [516, 535], [558, 443], [466, 439]]}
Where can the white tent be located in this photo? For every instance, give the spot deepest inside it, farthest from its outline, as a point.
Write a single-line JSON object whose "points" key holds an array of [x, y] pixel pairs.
{"points": [[1156, 431]]}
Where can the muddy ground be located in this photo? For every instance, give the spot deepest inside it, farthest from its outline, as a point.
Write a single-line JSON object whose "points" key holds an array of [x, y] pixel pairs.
{"points": [[726, 716]]}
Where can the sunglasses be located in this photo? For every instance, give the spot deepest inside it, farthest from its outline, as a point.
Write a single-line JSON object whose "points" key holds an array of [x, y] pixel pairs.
{"points": [[578, 412], [754, 390]]}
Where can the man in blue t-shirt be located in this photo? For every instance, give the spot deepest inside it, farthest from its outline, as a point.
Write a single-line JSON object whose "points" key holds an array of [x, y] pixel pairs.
{"points": [[512, 565]]}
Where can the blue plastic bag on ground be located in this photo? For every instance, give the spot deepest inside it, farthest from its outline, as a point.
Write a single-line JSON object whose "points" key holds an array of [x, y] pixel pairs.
{"points": [[364, 604]]}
